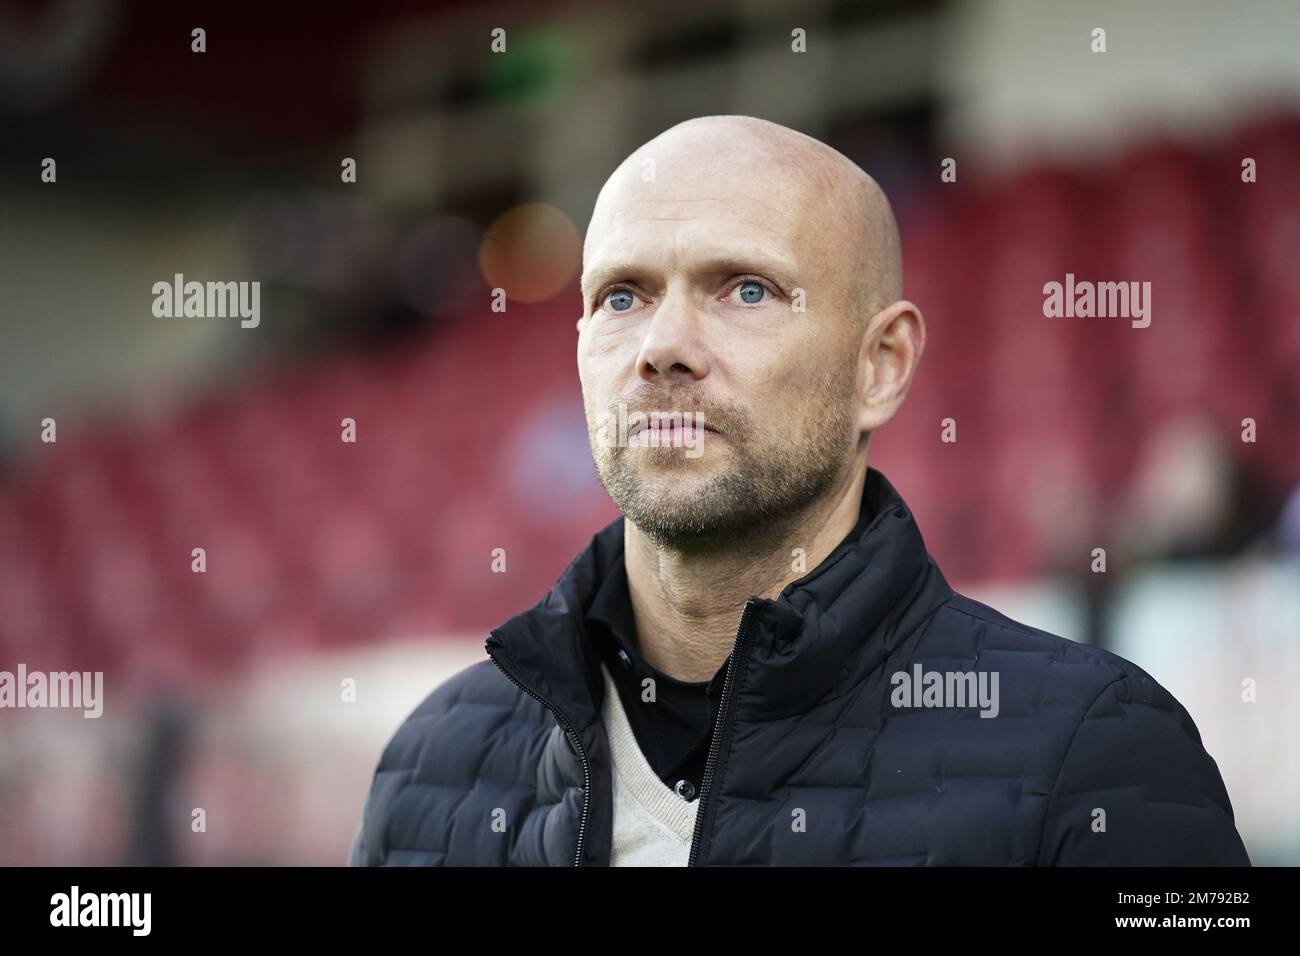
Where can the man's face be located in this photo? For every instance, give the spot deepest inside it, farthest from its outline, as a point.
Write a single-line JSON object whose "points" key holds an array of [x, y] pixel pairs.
{"points": [[717, 289]]}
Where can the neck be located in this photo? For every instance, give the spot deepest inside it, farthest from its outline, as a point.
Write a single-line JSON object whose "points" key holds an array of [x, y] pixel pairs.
{"points": [[687, 603]]}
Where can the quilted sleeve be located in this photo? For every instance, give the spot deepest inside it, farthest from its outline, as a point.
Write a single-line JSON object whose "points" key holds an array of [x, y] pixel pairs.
{"points": [[1137, 788]]}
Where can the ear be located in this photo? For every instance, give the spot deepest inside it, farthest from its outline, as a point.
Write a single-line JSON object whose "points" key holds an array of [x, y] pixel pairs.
{"points": [[891, 350]]}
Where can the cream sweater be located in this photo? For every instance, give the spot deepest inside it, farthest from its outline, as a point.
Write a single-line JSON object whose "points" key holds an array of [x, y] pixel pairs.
{"points": [[653, 826]]}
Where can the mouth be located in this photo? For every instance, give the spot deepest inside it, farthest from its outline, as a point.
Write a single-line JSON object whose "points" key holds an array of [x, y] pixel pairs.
{"points": [[670, 428]]}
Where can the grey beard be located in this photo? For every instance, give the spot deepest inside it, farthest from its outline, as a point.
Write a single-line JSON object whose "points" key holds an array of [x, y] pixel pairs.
{"points": [[758, 499]]}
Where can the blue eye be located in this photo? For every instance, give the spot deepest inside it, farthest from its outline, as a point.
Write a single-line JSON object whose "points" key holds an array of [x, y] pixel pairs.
{"points": [[620, 300], [751, 292]]}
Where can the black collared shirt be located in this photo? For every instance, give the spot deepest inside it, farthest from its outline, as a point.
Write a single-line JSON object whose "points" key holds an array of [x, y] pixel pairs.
{"points": [[675, 728]]}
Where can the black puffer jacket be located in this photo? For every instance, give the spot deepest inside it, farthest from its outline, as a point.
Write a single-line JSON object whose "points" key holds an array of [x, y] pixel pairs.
{"points": [[818, 758]]}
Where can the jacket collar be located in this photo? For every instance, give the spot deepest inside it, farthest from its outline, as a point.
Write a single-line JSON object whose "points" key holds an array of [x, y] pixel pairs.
{"points": [[823, 634]]}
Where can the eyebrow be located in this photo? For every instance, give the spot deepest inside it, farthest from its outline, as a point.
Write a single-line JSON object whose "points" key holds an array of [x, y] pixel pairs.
{"points": [[779, 269]]}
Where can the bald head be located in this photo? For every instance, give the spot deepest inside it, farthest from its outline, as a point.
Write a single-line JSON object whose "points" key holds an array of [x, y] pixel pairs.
{"points": [[746, 274], [838, 215]]}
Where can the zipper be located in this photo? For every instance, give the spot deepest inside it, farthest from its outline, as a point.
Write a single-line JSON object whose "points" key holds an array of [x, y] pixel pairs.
{"points": [[577, 743], [715, 745]]}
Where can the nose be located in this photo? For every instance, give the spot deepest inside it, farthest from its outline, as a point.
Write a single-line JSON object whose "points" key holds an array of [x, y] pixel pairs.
{"points": [[672, 350]]}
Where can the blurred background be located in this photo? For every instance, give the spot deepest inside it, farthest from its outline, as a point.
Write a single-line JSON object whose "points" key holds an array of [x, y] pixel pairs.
{"points": [[370, 562]]}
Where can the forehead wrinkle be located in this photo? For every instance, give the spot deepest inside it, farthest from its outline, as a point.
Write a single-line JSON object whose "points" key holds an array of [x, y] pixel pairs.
{"points": [[841, 226], [761, 234], [757, 226], [738, 249]]}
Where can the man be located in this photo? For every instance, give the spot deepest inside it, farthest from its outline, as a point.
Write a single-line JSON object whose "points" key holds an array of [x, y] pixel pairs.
{"points": [[759, 664]]}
